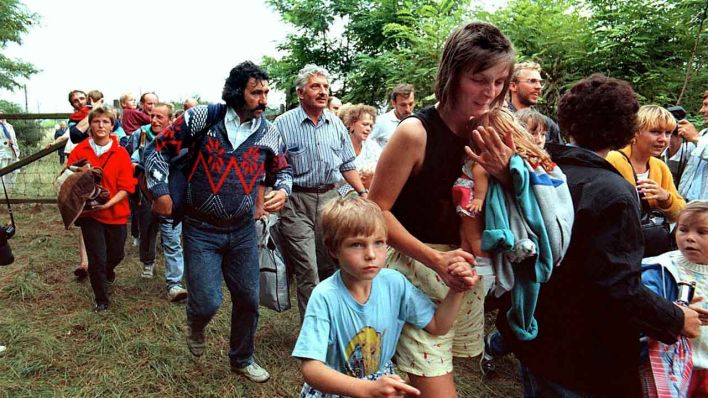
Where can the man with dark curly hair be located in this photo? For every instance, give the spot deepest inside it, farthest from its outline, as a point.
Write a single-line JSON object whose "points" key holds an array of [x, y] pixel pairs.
{"points": [[231, 149], [592, 311]]}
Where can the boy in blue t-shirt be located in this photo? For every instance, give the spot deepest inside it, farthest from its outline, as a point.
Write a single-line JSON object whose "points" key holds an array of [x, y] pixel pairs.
{"points": [[354, 318]]}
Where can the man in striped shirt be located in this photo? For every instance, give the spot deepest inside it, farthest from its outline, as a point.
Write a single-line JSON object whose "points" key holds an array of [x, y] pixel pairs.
{"points": [[320, 153]]}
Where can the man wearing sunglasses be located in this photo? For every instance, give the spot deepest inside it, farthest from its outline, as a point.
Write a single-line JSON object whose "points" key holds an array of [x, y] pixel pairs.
{"points": [[525, 90]]}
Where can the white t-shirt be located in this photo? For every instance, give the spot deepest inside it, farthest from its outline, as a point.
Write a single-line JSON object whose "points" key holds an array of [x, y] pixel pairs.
{"points": [[384, 127]]}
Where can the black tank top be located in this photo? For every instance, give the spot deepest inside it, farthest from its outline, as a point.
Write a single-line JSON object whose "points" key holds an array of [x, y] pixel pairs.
{"points": [[424, 206]]}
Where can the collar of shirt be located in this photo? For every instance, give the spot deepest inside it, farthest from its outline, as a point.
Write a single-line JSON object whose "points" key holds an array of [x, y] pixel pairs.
{"points": [[100, 149], [236, 131], [325, 116], [391, 115]]}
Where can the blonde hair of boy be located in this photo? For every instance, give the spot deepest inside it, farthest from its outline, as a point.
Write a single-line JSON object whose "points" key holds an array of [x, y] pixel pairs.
{"points": [[124, 98], [654, 116], [503, 120], [343, 218], [693, 210]]}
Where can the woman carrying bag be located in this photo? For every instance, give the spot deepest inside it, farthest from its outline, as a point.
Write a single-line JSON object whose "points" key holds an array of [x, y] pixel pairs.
{"points": [[638, 164], [104, 226]]}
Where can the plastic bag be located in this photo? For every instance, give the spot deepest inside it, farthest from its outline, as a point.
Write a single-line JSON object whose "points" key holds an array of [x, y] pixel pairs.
{"points": [[274, 284]]}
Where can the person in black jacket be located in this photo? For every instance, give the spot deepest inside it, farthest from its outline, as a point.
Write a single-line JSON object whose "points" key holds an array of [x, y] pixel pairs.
{"points": [[592, 311]]}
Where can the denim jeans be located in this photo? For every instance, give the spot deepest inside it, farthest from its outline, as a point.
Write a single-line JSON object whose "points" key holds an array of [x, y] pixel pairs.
{"points": [[535, 386], [214, 253], [169, 238], [105, 249]]}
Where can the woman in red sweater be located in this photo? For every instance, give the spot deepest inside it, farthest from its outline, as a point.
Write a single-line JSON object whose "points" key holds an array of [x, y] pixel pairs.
{"points": [[104, 227]]}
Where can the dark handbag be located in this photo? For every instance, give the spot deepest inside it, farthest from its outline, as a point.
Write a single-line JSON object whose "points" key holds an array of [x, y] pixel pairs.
{"points": [[656, 232]]}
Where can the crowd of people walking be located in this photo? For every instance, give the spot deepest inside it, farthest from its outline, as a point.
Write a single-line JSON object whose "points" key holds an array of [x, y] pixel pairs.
{"points": [[400, 228]]}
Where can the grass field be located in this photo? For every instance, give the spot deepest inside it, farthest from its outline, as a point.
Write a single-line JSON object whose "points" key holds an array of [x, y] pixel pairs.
{"points": [[57, 347]]}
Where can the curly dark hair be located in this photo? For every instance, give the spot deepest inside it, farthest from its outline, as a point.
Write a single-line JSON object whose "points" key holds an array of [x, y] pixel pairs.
{"points": [[599, 113], [237, 81]]}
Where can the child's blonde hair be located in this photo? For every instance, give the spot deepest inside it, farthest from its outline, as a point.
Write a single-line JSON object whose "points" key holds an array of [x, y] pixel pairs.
{"points": [[503, 120], [343, 218], [694, 209], [124, 98]]}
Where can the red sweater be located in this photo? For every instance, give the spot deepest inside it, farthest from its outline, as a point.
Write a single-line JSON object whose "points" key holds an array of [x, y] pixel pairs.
{"points": [[117, 176], [133, 119]]}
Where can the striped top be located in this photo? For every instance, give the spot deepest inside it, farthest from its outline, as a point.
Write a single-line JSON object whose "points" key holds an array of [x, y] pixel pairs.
{"points": [[316, 153]]}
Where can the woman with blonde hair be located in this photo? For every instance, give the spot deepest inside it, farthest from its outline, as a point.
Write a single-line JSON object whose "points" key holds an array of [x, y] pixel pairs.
{"points": [[639, 164], [640, 157]]}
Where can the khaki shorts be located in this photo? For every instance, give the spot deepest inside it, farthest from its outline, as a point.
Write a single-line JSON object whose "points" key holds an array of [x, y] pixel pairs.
{"points": [[422, 354]]}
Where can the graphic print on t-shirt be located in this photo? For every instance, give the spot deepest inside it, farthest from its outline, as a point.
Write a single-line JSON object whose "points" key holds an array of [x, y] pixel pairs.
{"points": [[363, 352]]}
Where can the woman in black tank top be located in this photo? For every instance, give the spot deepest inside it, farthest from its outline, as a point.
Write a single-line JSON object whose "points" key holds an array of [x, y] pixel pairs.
{"points": [[420, 163]]}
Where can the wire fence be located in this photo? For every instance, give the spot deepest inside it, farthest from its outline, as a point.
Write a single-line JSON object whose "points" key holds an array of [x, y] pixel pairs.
{"points": [[33, 182], [31, 178]]}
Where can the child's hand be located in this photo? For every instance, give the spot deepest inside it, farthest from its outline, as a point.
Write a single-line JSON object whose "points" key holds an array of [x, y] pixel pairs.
{"points": [[702, 312], [390, 386], [461, 270], [475, 206], [464, 272]]}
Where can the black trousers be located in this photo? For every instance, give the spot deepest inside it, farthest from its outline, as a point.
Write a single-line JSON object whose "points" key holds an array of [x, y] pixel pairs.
{"points": [[105, 249], [149, 226]]}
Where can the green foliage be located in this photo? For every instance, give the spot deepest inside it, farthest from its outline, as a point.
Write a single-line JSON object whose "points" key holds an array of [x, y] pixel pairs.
{"points": [[553, 33], [645, 42], [414, 45], [28, 132], [384, 42], [15, 22]]}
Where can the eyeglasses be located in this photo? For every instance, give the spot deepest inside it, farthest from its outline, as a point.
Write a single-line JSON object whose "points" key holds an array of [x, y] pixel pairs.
{"points": [[534, 82]]}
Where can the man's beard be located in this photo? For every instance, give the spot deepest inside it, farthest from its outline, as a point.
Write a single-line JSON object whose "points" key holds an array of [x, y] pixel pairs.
{"points": [[524, 99]]}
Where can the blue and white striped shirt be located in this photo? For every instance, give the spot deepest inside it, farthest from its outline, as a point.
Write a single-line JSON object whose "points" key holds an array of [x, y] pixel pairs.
{"points": [[316, 153]]}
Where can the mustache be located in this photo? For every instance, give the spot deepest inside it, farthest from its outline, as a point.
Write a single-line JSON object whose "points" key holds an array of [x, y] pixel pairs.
{"points": [[259, 107]]}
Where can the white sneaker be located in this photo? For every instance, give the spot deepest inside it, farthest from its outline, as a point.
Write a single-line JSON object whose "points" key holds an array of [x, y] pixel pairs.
{"points": [[253, 372], [148, 270], [177, 293]]}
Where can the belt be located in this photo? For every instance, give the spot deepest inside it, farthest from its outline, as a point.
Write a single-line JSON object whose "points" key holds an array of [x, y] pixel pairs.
{"points": [[320, 189]]}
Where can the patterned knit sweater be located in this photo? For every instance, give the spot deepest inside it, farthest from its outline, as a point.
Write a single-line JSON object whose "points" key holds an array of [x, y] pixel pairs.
{"points": [[222, 181], [691, 272]]}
